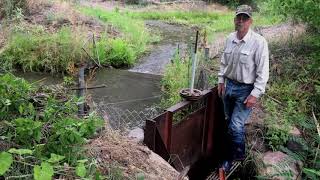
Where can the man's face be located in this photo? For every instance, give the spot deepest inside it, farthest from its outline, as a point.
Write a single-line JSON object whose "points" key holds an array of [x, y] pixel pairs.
{"points": [[242, 22]]}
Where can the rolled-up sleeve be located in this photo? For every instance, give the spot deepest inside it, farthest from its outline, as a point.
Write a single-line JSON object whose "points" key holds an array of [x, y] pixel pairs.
{"points": [[262, 69]]}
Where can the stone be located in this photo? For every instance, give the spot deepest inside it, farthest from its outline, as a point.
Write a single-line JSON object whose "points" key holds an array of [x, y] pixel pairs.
{"points": [[278, 166], [295, 132], [136, 134], [293, 145]]}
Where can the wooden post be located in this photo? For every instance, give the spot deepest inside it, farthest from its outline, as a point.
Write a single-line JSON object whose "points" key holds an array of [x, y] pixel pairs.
{"points": [[81, 91]]}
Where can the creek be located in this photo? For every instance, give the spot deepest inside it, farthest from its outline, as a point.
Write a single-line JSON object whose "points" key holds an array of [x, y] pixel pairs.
{"points": [[131, 95]]}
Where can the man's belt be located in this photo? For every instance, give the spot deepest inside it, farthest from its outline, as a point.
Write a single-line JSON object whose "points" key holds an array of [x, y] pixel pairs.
{"points": [[236, 82]]}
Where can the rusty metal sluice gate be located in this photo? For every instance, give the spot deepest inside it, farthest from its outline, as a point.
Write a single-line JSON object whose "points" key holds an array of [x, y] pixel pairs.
{"points": [[196, 140]]}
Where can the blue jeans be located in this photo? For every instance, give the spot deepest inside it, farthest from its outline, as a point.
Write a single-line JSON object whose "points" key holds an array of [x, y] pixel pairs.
{"points": [[236, 114]]}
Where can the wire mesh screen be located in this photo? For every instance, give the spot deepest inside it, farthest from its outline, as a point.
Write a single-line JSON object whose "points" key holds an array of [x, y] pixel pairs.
{"points": [[120, 118]]}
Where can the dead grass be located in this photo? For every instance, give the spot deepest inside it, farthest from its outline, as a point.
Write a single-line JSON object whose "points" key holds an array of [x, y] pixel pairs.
{"points": [[157, 6], [113, 149]]}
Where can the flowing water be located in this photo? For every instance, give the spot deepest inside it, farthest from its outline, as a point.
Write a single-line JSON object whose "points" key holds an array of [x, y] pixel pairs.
{"points": [[131, 93]]}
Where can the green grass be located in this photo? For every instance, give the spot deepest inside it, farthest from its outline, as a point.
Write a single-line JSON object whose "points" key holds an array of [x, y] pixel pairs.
{"points": [[131, 22], [213, 22], [133, 34], [33, 49]]}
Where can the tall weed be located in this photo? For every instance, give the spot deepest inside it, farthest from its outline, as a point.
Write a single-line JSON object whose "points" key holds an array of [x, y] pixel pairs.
{"points": [[37, 50], [174, 79]]}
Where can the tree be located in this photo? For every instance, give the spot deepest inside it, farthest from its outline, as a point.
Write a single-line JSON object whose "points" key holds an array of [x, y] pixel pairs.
{"points": [[307, 11]]}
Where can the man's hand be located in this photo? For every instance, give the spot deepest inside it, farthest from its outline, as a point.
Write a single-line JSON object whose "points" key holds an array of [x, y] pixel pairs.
{"points": [[221, 89], [250, 101]]}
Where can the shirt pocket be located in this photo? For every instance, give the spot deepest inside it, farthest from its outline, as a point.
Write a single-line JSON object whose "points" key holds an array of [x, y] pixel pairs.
{"points": [[227, 56], [246, 58]]}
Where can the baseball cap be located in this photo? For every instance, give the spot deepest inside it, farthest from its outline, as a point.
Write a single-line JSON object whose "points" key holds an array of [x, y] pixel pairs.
{"points": [[244, 9]]}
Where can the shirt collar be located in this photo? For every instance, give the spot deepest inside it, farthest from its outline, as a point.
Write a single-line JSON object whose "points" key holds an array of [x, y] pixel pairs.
{"points": [[244, 39]]}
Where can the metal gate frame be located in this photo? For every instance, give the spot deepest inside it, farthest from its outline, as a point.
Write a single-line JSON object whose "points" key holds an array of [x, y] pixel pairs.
{"points": [[199, 135]]}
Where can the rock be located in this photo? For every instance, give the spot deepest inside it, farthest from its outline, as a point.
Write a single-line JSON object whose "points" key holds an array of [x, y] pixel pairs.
{"points": [[292, 144], [136, 134], [279, 166], [295, 132]]}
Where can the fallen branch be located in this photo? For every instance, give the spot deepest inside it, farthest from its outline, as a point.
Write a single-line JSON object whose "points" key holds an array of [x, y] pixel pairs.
{"points": [[93, 87], [275, 100]]}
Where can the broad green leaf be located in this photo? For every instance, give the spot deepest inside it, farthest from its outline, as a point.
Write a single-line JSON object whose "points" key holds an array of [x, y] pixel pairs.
{"points": [[43, 172], [6, 161], [20, 151], [81, 170], [55, 158]]}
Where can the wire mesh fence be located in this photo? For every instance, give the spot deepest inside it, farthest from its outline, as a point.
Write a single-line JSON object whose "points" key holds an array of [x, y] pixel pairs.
{"points": [[122, 118]]}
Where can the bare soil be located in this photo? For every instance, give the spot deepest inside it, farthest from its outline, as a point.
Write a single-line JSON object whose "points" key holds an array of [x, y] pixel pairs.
{"points": [[113, 150]]}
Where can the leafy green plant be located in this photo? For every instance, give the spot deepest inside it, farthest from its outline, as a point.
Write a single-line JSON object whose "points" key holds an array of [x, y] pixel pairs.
{"points": [[26, 131], [47, 137], [119, 53], [14, 97]]}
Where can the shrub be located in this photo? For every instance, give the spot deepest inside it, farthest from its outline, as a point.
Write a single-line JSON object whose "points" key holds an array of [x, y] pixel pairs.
{"points": [[305, 11], [50, 139], [119, 53]]}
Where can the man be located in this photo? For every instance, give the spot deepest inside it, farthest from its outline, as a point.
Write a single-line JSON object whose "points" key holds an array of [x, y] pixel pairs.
{"points": [[243, 75]]}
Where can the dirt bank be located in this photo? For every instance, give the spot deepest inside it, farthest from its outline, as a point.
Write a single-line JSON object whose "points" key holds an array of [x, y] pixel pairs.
{"points": [[113, 150]]}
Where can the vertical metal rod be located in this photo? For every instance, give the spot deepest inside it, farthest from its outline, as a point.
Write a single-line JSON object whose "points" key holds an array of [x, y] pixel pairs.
{"points": [[206, 54], [194, 64], [81, 91]]}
